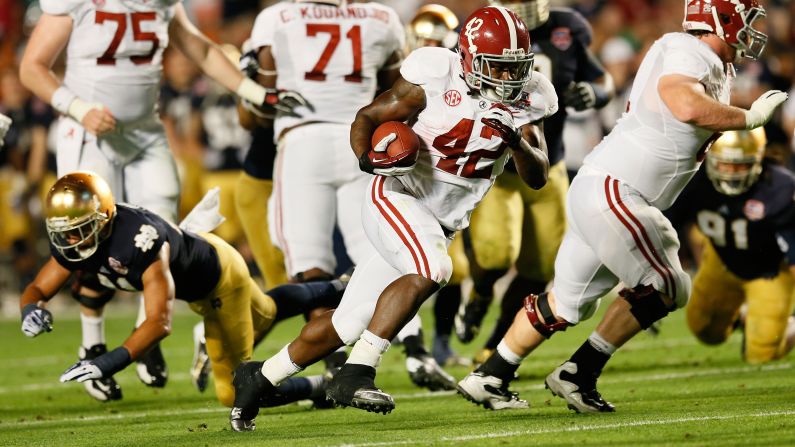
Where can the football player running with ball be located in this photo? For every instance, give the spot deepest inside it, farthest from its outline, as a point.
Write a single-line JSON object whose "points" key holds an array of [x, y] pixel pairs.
{"points": [[471, 111], [136, 250], [110, 124], [744, 206], [617, 232]]}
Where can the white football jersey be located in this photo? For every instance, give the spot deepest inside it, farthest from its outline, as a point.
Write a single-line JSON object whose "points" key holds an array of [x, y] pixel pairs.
{"points": [[115, 52], [460, 156], [649, 148], [330, 55]]}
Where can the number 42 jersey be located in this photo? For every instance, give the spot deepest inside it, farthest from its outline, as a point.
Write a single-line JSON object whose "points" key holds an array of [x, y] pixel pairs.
{"points": [[115, 52], [460, 156]]}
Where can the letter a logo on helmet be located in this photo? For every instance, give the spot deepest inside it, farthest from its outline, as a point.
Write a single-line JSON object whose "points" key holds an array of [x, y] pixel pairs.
{"points": [[731, 20], [495, 40]]}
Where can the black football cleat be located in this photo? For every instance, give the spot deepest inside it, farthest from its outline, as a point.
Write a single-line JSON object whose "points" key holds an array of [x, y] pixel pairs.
{"points": [[105, 389], [354, 386], [251, 390], [579, 393], [151, 367]]}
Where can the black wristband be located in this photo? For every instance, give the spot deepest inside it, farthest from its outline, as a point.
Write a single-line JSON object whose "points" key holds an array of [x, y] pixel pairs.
{"points": [[28, 309], [600, 95], [114, 361]]}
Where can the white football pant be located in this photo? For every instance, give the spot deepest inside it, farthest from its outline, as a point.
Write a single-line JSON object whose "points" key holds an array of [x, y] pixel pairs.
{"points": [[407, 239], [317, 182], [613, 235], [135, 161]]}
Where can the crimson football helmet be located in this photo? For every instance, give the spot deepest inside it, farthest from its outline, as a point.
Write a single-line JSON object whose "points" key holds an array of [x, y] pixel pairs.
{"points": [[731, 20], [494, 37], [78, 207]]}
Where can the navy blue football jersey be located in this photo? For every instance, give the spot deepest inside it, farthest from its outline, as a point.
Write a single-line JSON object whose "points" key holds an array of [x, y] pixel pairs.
{"points": [[560, 46], [753, 232], [136, 237]]}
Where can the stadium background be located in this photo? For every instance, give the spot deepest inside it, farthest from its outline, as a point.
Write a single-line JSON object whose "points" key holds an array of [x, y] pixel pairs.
{"points": [[670, 390]]}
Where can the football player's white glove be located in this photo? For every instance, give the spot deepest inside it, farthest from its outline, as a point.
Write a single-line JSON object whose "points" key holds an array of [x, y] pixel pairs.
{"points": [[500, 119], [5, 124], [377, 161], [35, 320], [103, 366], [762, 109], [81, 371]]}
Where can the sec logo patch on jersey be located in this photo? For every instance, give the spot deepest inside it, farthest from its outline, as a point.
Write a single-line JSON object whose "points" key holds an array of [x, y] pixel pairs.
{"points": [[452, 98]]}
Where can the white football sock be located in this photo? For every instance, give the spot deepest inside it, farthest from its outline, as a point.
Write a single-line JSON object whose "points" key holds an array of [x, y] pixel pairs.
{"points": [[600, 344], [368, 350], [93, 330], [279, 367], [506, 353]]}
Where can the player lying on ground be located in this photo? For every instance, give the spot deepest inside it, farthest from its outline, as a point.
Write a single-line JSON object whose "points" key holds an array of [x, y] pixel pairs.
{"points": [[132, 249], [744, 205]]}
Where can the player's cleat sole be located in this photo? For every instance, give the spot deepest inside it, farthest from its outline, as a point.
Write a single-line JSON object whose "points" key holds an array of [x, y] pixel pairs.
{"points": [[239, 424], [251, 389], [151, 368], [561, 384], [201, 367], [426, 373], [489, 392], [103, 390], [354, 386]]}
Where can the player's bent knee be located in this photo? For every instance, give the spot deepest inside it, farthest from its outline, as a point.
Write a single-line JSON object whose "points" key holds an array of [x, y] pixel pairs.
{"points": [[647, 305], [540, 314]]}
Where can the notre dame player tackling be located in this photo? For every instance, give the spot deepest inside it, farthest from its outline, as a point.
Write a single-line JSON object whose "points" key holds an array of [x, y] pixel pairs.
{"points": [[744, 206], [133, 249]]}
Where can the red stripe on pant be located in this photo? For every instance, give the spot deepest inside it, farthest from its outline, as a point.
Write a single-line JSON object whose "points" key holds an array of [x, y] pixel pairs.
{"points": [[647, 239], [378, 184], [633, 232]]}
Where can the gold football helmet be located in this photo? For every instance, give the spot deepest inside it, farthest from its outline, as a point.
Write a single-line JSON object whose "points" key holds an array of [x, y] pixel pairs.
{"points": [[533, 13], [432, 26], [78, 208], [734, 161]]}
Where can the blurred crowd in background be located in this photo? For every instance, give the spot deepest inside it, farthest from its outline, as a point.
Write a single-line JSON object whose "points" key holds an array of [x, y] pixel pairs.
{"points": [[209, 144]]}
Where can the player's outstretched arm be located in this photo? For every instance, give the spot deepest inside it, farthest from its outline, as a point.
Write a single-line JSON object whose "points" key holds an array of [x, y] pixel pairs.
{"points": [[158, 302], [35, 318], [214, 63], [400, 103], [688, 101], [158, 299]]}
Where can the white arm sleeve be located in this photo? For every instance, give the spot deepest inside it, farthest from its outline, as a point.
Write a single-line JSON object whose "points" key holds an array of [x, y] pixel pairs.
{"points": [[263, 33]]}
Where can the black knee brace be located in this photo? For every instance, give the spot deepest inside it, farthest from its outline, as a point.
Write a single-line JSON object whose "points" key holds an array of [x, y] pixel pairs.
{"points": [[647, 305], [535, 305], [100, 296]]}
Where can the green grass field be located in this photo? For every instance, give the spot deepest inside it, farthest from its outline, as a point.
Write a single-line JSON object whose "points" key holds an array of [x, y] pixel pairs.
{"points": [[668, 390]]}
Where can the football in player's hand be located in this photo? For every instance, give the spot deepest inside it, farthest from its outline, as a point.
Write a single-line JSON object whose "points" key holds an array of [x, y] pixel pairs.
{"points": [[402, 145]]}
